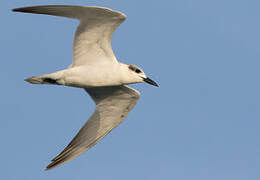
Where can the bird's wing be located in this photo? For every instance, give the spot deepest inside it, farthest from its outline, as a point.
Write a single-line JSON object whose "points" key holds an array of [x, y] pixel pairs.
{"points": [[92, 41], [112, 106]]}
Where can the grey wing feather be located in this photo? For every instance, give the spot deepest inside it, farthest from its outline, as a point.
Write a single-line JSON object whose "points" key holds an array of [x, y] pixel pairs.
{"points": [[92, 39], [75, 12], [112, 106]]}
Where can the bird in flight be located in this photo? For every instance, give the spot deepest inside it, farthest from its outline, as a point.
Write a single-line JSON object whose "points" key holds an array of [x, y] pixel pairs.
{"points": [[95, 69]]}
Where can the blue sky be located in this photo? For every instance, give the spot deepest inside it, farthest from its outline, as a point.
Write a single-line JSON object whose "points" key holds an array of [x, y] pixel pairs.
{"points": [[201, 123]]}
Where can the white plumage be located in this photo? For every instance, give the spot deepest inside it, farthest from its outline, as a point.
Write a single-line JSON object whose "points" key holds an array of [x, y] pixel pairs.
{"points": [[96, 69]]}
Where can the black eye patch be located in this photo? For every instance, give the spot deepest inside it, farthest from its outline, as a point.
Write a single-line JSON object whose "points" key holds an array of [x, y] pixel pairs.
{"points": [[131, 67]]}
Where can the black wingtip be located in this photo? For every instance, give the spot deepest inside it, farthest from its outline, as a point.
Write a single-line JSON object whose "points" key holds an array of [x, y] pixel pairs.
{"points": [[50, 166], [19, 10], [15, 10], [24, 9]]}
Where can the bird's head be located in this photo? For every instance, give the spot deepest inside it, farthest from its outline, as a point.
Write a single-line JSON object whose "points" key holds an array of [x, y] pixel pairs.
{"points": [[136, 75]]}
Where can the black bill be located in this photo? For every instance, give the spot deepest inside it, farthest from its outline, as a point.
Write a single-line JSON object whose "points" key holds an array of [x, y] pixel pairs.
{"points": [[149, 81]]}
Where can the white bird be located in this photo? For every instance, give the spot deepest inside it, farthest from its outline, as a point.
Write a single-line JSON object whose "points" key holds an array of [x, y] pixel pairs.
{"points": [[96, 69]]}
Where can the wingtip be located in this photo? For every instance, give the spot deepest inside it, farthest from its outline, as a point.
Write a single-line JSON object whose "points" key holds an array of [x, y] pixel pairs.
{"points": [[19, 10], [22, 9], [48, 168], [31, 9], [15, 10], [51, 166]]}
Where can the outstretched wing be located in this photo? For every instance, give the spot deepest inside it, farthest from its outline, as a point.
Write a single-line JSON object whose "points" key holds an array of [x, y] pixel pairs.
{"points": [[112, 106], [92, 42]]}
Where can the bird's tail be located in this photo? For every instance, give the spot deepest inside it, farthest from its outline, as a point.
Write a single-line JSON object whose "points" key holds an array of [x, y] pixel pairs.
{"points": [[53, 78]]}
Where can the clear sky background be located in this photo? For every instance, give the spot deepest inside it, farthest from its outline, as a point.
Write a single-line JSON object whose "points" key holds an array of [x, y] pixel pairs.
{"points": [[201, 123]]}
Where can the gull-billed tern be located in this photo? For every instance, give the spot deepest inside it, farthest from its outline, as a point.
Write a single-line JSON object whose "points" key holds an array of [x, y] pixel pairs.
{"points": [[96, 69]]}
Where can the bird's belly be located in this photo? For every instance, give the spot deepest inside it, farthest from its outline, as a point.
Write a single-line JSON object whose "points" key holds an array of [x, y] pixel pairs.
{"points": [[89, 77]]}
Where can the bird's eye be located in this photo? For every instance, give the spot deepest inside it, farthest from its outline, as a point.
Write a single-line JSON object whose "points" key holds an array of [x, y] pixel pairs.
{"points": [[137, 70]]}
